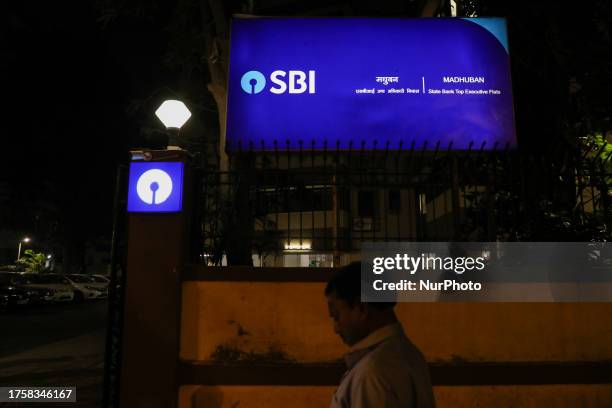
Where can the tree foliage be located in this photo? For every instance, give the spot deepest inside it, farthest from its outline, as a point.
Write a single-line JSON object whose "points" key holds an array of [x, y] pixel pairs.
{"points": [[32, 261]]}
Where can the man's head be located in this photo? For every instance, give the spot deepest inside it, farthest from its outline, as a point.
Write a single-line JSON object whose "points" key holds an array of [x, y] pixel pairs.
{"points": [[354, 320]]}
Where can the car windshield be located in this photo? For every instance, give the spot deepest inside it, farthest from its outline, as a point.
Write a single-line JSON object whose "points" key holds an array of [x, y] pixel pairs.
{"points": [[52, 279], [80, 279]]}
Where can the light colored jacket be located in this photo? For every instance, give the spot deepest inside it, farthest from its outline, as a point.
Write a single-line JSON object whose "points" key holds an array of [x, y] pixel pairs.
{"points": [[385, 370]]}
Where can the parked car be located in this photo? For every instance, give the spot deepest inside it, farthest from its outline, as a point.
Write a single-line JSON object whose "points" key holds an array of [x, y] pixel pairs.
{"points": [[85, 287], [60, 286], [21, 290], [101, 279], [12, 296]]}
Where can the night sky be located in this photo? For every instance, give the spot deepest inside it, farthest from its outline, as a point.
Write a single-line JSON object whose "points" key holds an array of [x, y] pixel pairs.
{"points": [[70, 80], [72, 75]]}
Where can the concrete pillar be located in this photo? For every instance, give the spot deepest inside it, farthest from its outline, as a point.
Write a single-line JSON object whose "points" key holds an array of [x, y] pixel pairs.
{"points": [[157, 248]]}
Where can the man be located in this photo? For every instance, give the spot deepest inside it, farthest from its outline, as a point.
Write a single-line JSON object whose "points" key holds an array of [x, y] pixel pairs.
{"points": [[385, 370]]}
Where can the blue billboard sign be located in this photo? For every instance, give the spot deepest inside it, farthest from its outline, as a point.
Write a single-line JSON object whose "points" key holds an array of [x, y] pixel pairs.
{"points": [[155, 187], [355, 80]]}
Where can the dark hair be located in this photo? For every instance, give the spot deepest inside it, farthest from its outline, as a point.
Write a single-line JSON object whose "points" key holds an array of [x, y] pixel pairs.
{"points": [[345, 284]]}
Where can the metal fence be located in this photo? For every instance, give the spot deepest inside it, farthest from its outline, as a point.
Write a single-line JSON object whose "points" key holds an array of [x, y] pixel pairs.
{"points": [[276, 201], [329, 201]]}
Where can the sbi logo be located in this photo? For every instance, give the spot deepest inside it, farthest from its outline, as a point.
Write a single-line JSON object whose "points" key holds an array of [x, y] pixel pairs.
{"points": [[296, 82], [154, 186]]}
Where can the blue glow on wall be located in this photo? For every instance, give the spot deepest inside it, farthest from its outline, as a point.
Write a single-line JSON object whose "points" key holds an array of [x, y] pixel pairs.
{"points": [[354, 80], [155, 187]]}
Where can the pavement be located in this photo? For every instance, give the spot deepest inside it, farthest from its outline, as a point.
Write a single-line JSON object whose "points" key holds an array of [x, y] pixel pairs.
{"points": [[74, 360], [28, 328]]}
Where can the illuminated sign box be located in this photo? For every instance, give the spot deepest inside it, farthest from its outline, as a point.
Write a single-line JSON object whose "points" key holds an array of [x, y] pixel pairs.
{"points": [[155, 187], [354, 80]]}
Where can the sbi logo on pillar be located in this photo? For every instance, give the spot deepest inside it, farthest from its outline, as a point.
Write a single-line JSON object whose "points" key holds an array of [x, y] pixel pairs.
{"points": [[280, 82], [155, 187]]}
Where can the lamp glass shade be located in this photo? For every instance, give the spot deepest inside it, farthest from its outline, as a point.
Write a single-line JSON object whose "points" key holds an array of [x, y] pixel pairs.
{"points": [[173, 114]]}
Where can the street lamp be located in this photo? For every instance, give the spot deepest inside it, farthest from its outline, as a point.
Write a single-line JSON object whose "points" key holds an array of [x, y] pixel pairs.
{"points": [[173, 114], [26, 240]]}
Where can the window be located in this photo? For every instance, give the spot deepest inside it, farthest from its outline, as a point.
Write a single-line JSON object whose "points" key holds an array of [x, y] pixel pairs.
{"points": [[295, 199], [395, 203], [365, 203], [344, 198]]}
